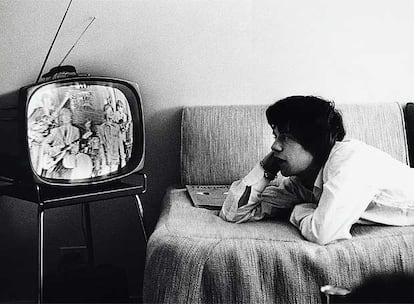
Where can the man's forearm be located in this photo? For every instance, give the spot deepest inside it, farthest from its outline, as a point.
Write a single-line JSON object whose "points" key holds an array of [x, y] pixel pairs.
{"points": [[242, 201]]}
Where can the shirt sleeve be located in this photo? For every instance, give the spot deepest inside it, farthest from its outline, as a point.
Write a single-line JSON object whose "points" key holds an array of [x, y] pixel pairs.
{"points": [[242, 203], [345, 196], [254, 197]]}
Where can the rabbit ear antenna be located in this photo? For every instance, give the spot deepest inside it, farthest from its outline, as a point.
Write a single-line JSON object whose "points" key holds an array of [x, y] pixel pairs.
{"points": [[76, 42], [53, 42]]}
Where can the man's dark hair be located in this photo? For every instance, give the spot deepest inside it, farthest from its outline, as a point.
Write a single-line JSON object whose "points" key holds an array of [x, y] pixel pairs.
{"points": [[312, 121]]}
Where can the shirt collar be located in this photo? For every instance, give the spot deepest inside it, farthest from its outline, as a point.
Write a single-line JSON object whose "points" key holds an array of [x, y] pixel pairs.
{"points": [[318, 181]]}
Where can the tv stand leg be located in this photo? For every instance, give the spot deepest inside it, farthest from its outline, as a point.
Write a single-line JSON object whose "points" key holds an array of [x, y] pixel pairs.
{"points": [[40, 257], [88, 234], [140, 210]]}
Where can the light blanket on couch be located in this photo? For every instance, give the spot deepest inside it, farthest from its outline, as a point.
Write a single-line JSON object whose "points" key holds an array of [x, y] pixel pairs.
{"points": [[193, 256]]}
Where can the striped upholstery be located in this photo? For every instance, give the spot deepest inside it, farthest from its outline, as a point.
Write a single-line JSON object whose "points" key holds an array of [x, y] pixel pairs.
{"points": [[220, 144], [195, 257]]}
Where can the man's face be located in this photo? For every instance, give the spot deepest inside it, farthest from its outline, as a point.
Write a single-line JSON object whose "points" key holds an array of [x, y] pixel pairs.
{"points": [[293, 158], [65, 117], [95, 143], [109, 113]]}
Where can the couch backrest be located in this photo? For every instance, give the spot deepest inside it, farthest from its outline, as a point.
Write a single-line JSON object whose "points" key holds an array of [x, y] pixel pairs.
{"points": [[220, 144]]}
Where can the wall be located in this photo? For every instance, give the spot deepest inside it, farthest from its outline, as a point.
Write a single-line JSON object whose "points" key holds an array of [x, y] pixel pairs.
{"points": [[197, 52]]}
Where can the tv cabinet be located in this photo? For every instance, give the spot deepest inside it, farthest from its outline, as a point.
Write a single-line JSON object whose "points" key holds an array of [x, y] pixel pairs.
{"points": [[48, 197]]}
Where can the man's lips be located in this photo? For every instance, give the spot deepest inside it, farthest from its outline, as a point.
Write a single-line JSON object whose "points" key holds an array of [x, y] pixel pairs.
{"points": [[278, 159]]}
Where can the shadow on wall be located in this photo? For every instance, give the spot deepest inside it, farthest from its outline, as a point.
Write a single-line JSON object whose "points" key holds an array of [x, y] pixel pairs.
{"points": [[18, 233], [8, 123], [9, 100], [162, 159]]}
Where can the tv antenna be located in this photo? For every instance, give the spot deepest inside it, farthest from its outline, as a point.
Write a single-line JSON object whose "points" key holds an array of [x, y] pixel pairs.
{"points": [[79, 38], [53, 42]]}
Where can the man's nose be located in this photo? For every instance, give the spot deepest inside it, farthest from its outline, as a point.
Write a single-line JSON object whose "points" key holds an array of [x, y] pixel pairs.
{"points": [[277, 147]]}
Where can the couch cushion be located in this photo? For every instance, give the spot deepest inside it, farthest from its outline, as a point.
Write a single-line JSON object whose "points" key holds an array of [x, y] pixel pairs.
{"points": [[220, 144], [194, 256]]}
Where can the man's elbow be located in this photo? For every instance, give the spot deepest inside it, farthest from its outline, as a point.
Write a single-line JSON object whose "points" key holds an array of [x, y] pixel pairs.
{"points": [[227, 217], [323, 237], [323, 240], [232, 217], [322, 232]]}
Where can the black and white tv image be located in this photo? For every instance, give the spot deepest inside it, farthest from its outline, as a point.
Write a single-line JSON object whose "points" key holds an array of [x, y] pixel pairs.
{"points": [[78, 131]]}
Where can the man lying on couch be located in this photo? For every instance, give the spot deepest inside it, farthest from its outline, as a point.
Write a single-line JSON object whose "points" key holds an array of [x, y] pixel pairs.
{"points": [[329, 183]]}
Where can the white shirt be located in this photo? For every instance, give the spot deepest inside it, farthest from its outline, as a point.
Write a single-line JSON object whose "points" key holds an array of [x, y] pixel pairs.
{"points": [[358, 184]]}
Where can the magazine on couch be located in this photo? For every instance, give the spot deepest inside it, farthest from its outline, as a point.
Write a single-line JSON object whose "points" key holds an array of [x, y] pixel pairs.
{"points": [[208, 196]]}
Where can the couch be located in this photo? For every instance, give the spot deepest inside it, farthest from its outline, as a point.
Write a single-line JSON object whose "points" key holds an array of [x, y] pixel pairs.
{"points": [[193, 256]]}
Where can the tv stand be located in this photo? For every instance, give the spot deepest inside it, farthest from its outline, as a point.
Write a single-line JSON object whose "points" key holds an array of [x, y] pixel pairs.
{"points": [[48, 197]]}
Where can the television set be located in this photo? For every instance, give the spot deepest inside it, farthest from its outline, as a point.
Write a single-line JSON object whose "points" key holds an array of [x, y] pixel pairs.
{"points": [[74, 131]]}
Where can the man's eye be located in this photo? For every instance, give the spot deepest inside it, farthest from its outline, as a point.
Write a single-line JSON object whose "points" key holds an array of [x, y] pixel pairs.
{"points": [[280, 137]]}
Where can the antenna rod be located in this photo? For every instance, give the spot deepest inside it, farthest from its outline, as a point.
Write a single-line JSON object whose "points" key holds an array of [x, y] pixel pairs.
{"points": [[53, 42], [76, 42]]}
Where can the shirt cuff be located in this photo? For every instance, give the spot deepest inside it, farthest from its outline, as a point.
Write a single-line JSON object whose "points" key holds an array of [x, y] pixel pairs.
{"points": [[255, 175], [300, 212]]}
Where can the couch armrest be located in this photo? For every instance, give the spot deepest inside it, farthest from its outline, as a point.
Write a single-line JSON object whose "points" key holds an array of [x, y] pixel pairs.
{"points": [[409, 125]]}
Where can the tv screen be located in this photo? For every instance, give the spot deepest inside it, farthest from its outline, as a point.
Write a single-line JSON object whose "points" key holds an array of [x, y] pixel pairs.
{"points": [[81, 130]]}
